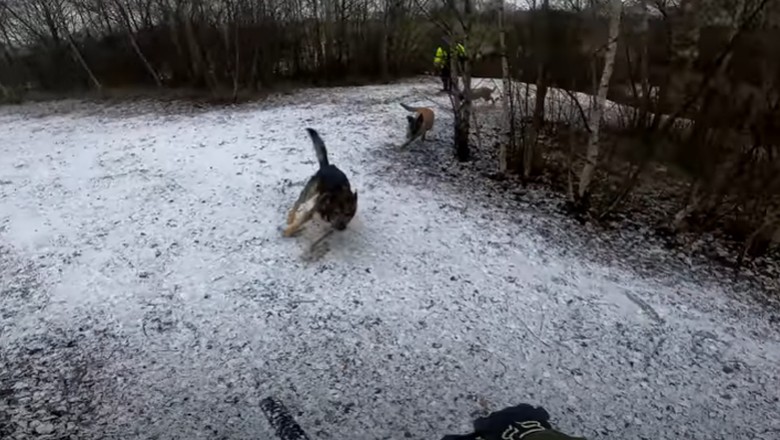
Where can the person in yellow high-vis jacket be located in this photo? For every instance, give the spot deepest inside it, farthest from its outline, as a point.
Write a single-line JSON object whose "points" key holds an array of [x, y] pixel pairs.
{"points": [[442, 62]]}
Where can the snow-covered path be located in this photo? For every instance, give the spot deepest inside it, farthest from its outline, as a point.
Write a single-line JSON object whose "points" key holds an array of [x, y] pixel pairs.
{"points": [[145, 292]]}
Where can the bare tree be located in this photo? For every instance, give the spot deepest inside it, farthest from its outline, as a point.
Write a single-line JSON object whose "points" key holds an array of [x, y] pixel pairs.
{"points": [[705, 164], [594, 122], [462, 26], [457, 22], [130, 32], [542, 45]]}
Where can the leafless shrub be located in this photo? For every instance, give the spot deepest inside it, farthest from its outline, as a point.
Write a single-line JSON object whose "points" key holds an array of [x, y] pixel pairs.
{"points": [[214, 45], [694, 100]]}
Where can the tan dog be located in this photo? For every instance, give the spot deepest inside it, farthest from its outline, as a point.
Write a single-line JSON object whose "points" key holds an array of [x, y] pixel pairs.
{"points": [[485, 93], [419, 124]]}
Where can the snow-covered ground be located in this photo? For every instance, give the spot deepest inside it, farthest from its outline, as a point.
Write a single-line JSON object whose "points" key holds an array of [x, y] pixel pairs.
{"points": [[146, 292]]}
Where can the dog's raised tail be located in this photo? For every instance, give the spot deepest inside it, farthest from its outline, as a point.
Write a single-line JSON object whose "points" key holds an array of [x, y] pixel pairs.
{"points": [[409, 108], [319, 147]]}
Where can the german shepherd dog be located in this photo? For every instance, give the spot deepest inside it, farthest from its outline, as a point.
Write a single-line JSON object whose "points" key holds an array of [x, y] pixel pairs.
{"points": [[419, 124], [330, 191]]}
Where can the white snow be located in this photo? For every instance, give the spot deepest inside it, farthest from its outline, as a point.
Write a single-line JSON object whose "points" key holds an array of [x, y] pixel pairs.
{"points": [[140, 250]]}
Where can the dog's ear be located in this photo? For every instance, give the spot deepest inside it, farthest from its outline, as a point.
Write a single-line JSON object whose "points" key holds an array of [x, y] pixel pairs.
{"points": [[419, 118]]}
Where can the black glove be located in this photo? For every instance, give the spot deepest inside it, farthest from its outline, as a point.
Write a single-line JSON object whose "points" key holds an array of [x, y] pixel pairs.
{"points": [[517, 420], [523, 418]]}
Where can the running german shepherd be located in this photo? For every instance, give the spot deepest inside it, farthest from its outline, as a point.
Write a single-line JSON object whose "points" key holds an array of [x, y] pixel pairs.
{"points": [[330, 191], [419, 124]]}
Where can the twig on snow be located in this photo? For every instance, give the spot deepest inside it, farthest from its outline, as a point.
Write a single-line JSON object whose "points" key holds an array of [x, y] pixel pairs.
{"points": [[527, 327]]}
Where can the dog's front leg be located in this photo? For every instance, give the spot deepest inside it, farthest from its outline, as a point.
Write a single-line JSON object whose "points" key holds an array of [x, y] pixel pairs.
{"points": [[291, 215], [300, 221], [408, 141], [307, 193]]}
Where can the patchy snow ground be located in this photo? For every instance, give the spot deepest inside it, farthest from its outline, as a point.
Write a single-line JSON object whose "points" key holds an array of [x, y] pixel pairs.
{"points": [[145, 291]]}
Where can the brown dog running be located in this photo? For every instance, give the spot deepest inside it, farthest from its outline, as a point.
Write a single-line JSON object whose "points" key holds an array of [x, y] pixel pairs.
{"points": [[329, 189], [419, 124]]}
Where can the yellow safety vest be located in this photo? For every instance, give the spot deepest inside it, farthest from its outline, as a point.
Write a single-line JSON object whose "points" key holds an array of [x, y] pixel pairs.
{"points": [[441, 55], [440, 58]]}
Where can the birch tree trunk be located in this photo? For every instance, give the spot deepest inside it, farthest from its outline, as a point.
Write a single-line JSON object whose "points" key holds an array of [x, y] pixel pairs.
{"points": [[131, 36], [462, 106], [84, 65], [592, 155], [507, 138]]}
